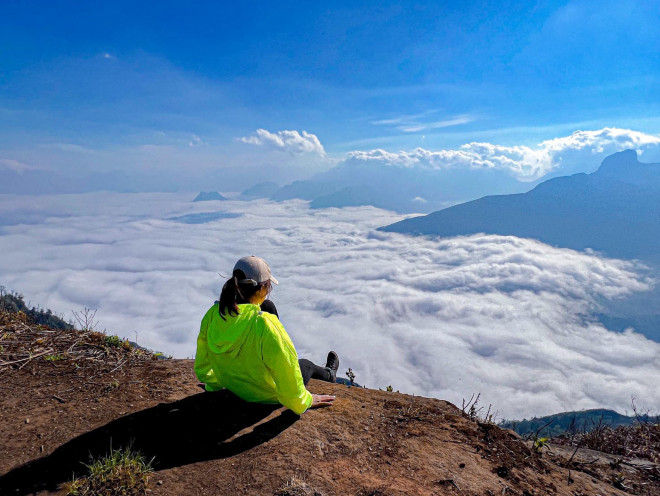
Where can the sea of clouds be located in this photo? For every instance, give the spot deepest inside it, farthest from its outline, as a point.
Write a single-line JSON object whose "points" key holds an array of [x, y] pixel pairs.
{"points": [[505, 317]]}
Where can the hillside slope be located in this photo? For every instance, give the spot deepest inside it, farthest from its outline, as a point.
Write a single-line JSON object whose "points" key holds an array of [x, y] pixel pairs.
{"points": [[67, 394], [615, 210]]}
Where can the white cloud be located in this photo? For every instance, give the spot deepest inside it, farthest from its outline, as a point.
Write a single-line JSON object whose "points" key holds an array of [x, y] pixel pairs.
{"points": [[602, 140], [289, 141], [67, 147], [425, 126], [403, 119], [194, 141], [446, 318], [418, 122], [15, 165], [580, 151]]}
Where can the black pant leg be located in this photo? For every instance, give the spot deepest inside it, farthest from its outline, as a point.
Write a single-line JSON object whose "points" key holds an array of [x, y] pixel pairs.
{"points": [[306, 369], [311, 371]]}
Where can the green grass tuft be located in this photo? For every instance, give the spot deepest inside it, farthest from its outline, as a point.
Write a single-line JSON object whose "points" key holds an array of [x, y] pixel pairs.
{"points": [[54, 358], [123, 472], [117, 342]]}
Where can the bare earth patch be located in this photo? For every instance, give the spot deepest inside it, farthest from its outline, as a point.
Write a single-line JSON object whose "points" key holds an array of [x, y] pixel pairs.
{"points": [[54, 413]]}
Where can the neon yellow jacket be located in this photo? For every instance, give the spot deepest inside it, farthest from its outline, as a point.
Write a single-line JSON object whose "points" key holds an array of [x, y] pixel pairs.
{"points": [[251, 355]]}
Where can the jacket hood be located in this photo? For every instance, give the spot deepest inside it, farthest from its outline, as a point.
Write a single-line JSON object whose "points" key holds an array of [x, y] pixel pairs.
{"points": [[229, 334]]}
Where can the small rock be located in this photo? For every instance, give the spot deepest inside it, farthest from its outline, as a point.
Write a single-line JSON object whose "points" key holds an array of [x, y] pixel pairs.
{"points": [[27, 421], [159, 483]]}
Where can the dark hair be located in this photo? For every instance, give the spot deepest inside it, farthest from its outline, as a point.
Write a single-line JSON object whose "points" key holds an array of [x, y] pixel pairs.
{"points": [[234, 293]]}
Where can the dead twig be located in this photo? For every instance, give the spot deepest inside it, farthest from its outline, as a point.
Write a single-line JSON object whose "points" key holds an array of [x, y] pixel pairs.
{"points": [[29, 359], [569, 481], [121, 362], [449, 482]]}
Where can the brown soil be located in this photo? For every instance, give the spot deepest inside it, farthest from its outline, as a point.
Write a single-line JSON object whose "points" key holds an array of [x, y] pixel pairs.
{"points": [[54, 414]]}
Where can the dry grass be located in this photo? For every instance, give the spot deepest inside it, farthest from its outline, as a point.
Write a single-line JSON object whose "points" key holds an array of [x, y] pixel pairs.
{"points": [[295, 486], [637, 441], [22, 341]]}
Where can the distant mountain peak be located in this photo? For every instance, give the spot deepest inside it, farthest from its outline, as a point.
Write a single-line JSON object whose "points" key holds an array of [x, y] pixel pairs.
{"points": [[260, 190], [615, 210], [619, 161], [209, 196]]}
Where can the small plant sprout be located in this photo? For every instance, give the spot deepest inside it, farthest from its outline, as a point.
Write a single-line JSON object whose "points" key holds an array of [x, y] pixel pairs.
{"points": [[618, 481], [351, 375], [389, 388], [55, 358], [112, 341], [469, 408], [117, 342], [113, 385], [540, 443]]}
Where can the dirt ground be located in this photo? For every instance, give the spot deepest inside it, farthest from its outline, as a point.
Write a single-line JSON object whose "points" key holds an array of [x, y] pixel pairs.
{"points": [[55, 413]]}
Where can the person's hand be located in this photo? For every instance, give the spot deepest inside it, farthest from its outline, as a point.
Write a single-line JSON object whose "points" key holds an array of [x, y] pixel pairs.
{"points": [[321, 400]]}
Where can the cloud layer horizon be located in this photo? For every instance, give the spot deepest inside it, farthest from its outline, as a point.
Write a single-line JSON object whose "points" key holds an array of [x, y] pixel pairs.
{"points": [[189, 163], [507, 317]]}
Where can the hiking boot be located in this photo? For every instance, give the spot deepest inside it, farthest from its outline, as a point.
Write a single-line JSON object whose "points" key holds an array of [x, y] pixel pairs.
{"points": [[332, 365]]}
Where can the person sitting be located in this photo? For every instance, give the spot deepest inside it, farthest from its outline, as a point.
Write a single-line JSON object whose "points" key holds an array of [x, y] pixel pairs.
{"points": [[242, 345]]}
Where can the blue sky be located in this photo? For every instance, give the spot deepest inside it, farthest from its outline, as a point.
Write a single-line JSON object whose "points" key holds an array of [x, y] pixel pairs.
{"points": [[117, 78]]}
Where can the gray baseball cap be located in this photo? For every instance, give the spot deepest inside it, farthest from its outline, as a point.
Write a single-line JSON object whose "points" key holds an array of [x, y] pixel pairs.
{"points": [[256, 270]]}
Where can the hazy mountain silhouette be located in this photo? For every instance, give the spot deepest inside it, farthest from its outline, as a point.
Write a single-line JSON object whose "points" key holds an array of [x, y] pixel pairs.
{"points": [[361, 195], [615, 210], [397, 188], [209, 196], [260, 190], [305, 190]]}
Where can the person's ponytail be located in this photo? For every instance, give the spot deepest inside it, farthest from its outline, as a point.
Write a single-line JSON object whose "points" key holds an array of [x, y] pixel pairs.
{"points": [[233, 293], [227, 302]]}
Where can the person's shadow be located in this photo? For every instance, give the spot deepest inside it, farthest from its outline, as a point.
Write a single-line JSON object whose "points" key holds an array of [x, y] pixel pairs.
{"points": [[197, 428]]}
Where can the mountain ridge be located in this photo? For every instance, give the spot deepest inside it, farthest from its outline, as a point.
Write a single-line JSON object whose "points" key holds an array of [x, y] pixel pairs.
{"points": [[614, 211], [578, 421], [394, 187], [582, 211]]}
